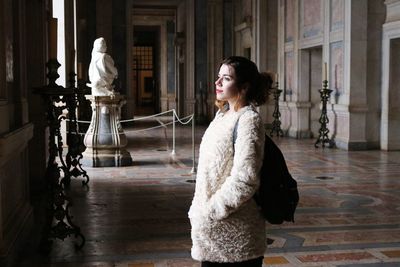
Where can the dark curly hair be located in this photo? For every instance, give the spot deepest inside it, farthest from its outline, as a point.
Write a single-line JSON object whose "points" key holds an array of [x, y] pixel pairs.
{"points": [[255, 84]]}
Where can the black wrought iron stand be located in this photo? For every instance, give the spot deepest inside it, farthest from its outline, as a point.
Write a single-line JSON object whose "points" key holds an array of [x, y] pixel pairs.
{"points": [[324, 120], [58, 222], [276, 124], [74, 137]]}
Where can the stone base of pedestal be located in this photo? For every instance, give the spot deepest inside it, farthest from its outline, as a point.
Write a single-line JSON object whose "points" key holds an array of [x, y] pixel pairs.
{"points": [[106, 158], [105, 139]]}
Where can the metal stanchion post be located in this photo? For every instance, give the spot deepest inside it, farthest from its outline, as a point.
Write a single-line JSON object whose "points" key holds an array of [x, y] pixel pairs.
{"points": [[173, 132]]}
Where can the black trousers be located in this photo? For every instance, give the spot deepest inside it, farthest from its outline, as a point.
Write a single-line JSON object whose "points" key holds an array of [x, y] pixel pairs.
{"points": [[250, 263]]}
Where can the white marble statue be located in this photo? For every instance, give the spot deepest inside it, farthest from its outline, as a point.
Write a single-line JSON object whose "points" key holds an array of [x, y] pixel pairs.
{"points": [[102, 71]]}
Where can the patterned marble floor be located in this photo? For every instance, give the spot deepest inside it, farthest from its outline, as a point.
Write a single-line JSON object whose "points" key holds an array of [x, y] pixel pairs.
{"points": [[136, 216]]}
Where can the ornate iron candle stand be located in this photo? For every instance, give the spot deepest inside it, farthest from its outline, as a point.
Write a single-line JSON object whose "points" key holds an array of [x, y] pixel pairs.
{"points": [[58, 222], [324, 120], [276, 124], [74, 138], [53, 65]]}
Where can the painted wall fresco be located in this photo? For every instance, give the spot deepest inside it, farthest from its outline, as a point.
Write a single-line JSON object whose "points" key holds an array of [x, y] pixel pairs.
{"points": [[289, 73], [336, 68], [337, 14], [289, 20], [311, 16]]}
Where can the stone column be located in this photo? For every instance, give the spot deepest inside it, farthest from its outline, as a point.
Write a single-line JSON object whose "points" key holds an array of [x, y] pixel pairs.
{"points": [[190, 98], [296, 118], [214, 49], [105, 140], [266, 47], [104, 22], [355, 70], [390, 117]]}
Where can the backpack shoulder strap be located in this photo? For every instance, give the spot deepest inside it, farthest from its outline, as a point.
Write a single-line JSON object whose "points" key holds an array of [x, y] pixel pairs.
{"points": [[236, 126], [235, 131]]}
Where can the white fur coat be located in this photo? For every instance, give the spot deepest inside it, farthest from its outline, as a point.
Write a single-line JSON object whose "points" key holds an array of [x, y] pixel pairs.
{"points": [[226, 223]]}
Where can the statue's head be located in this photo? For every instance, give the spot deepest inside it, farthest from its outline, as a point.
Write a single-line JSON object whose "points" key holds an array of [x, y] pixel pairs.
{"points": [[100, 45]]}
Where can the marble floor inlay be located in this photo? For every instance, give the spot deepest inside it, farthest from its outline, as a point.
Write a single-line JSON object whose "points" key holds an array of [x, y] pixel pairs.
{"points": [[136, 216]]}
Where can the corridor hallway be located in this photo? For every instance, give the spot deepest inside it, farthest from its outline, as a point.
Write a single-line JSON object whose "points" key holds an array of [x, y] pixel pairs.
{"points": [[136, 216]]}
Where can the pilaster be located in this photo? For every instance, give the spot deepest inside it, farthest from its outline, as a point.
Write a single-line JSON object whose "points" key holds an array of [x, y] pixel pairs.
{"points": [[190, 85], [266, 45], [354, 96], [299, 109], [104, 22], [390, 116], [130, 100]]}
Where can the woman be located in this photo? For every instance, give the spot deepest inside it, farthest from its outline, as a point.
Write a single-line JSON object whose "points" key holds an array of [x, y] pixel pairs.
{"points": [[227, 227]]}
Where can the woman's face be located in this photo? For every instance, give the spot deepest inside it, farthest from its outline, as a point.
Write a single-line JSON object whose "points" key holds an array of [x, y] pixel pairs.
{"points": [[225, 85]]}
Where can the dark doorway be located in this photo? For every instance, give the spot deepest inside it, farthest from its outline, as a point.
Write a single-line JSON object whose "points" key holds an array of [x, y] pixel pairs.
{"points": [[310, 83], [145, 69]]}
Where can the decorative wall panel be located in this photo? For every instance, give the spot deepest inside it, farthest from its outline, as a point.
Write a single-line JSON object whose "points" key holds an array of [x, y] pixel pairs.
{"points": [[15, 210], [288, 71], [311, 16], [337, 14], [336, 69], [13, 188], [289, 20]]}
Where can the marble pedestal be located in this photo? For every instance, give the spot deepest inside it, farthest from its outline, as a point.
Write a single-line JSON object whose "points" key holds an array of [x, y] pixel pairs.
{"points": [[105, 140]]}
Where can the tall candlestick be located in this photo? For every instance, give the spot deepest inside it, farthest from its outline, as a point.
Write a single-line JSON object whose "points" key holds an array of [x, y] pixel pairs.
{"points": [[325, 72], [53, 38], [276, 77]]}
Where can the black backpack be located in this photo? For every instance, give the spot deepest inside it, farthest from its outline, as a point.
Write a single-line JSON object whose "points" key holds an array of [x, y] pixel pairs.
{"points": [[278, 195]]}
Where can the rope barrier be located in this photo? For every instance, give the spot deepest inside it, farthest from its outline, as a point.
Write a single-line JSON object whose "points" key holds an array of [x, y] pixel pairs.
{"points": [[163, 125], [189, 118], [88, 122], [184, 123], [138, 119], [146, 117]]}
